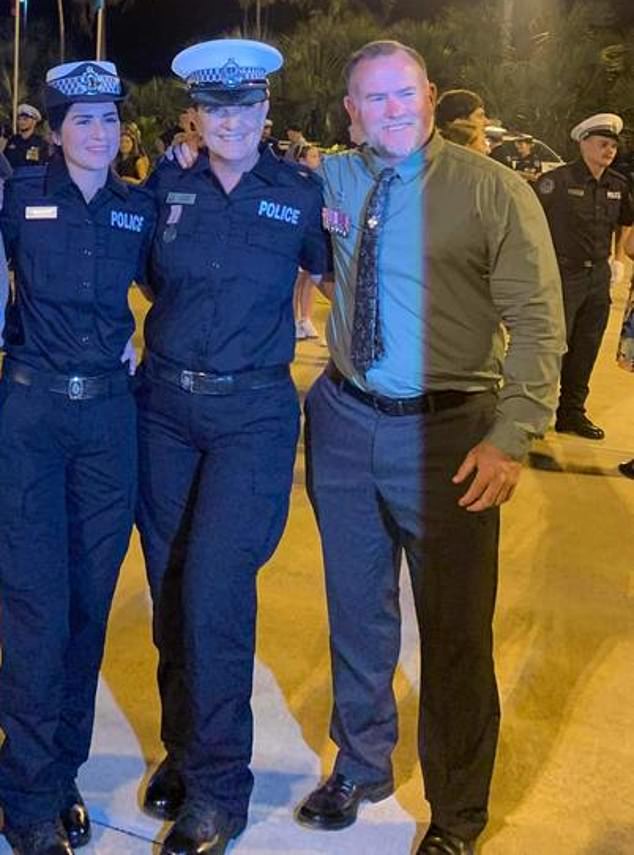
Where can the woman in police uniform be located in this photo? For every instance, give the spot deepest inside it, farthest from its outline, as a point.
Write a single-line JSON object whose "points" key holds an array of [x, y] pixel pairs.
{"points": [[76, 237], [218, 427]]}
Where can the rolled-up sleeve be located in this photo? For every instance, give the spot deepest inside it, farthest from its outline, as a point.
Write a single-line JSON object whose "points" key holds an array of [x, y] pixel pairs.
{"points": [[526, 291]]}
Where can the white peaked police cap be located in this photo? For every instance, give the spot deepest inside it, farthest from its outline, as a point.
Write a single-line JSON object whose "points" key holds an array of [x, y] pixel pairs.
{"points": [[601, 124], [227, 71]]}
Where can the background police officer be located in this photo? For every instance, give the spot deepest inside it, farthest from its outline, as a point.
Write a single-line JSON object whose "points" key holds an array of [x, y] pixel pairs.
{"points": [[218, 428], [76, 236], [26, 148], [586, 203]]}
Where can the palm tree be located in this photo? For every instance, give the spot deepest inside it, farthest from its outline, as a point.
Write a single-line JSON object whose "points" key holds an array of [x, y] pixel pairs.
{"points": [[85, 13], [310, 87]]}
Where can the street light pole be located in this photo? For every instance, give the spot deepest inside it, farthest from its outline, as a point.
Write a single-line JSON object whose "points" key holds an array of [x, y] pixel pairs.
{"points": [[62, 30], [16, 62], [101, 28], [507, 27]]}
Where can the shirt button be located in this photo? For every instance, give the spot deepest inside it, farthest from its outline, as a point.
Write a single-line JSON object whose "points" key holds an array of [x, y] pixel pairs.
{"points": [[84, 339], [87, 251], [215, 265], [86, 284]]}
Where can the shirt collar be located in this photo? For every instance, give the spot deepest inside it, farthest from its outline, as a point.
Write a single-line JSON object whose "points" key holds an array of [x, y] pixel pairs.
{"points": [[413, 165], [583, 174], [58, 178], [265, 168]]}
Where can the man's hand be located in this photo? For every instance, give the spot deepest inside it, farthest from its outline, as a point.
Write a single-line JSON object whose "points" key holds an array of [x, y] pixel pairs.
{"points": [[495, 480], [184, 153], [129, 356]]}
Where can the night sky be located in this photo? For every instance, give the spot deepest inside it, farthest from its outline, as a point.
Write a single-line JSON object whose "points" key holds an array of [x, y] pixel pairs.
{"points": [[143, 40]]}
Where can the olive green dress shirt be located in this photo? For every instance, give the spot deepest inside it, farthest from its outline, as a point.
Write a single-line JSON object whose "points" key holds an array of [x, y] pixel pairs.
{"points": [[465, 257]]}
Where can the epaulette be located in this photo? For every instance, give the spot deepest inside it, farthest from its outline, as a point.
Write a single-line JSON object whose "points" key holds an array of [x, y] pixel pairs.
{"points": [[142, 190], [614, 173], [303, 173]]}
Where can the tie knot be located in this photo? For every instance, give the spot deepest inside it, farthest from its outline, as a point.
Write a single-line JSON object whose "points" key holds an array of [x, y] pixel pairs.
{"points": [[386, 174]]}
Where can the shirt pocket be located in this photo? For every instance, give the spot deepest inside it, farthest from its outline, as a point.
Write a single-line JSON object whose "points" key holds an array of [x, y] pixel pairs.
{"points": [[272, 257], [178, 246], [42, 259]]}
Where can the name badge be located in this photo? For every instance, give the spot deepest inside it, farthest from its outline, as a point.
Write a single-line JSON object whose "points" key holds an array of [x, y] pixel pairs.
{"points": [[41, 212], [181, 199], [574, 191], [614, 194]]}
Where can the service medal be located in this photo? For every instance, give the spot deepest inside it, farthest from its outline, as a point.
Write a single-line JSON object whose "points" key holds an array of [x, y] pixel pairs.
{"points": [[335, 221], [173, 218]]}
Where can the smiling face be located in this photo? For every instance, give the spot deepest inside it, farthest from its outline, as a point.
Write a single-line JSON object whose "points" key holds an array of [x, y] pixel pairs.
{"points": [[89, 136], [232, 134], [392, 101]]}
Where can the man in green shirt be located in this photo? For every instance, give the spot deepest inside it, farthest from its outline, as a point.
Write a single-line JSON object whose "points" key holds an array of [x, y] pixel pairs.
{"points": [[416, 432]]}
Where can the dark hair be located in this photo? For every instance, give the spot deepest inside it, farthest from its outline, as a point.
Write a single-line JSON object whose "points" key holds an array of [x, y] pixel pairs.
{"points": [[456, 104], [294, 126], [56, 115], [382, 47]]}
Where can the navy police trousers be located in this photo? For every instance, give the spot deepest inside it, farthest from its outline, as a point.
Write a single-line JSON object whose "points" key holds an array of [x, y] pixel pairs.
{"points": [[67, 495], [215, 478]]}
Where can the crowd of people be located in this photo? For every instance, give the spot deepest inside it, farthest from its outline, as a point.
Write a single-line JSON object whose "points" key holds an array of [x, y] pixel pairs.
{"points": [[456, 286]]}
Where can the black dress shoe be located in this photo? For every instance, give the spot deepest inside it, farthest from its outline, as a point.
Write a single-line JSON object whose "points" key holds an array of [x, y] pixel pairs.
{"points": [[627, 468], [42, 838], [580, 425], [75, 819], [165, 792], [439, 842], [201, 830], [334, 804]]}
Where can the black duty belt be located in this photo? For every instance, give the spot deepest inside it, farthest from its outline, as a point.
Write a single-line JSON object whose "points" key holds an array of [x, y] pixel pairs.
{"points": [[430, 402], [203, 383], [75, 387]]}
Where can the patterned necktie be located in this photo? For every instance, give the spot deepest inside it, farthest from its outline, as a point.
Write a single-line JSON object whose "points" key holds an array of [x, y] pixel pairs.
{"points": [[367, 342]]}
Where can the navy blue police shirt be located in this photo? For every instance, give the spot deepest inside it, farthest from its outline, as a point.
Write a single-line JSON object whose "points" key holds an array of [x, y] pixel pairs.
{"points": [[223, 266], [32, 151], [74, 262], [583, 212]]}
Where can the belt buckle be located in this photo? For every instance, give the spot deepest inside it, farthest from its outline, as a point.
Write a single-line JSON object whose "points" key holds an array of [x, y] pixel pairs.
{"points": [[186, 381], [76, 388]]}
